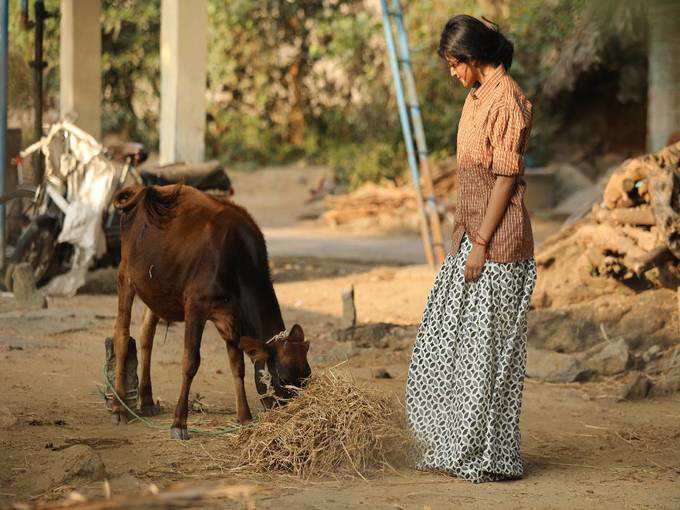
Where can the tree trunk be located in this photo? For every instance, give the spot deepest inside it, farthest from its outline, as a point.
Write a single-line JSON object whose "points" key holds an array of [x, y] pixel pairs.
{"points": [[297, 115], [663, 112]]}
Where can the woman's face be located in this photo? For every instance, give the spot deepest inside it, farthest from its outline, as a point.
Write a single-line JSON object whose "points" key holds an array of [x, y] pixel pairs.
{"points": [[465, 72]]}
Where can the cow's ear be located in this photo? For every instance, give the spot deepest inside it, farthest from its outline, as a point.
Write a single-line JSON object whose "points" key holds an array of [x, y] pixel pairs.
{"points": [[296, 334], [255, 349]]}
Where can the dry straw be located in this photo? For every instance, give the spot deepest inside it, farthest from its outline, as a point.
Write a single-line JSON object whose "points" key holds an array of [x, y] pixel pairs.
{"points": [[333, 427]]}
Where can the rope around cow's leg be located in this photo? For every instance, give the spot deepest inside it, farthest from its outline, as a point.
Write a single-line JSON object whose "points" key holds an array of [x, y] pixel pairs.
{"points": [[221, 431]]}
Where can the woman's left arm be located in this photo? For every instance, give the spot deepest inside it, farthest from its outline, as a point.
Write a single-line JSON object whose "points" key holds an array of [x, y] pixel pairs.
{"points": [[502, 190], [507, 137]]}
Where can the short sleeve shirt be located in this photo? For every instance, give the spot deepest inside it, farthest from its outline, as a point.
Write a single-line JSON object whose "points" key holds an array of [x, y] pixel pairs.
{"points": [[492, 138]]}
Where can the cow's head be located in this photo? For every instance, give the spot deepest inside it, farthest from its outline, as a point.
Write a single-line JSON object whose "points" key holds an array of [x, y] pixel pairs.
{"points": [[280, 363]]}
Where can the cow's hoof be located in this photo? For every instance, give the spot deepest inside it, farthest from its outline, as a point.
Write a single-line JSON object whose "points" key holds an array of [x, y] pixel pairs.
{"points": [[178, 433], [150, 410], [118, 418], [245, 421]]}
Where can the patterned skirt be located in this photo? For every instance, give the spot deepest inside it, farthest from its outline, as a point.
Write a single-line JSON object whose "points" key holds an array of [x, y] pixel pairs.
{"points": [[465, 380]]}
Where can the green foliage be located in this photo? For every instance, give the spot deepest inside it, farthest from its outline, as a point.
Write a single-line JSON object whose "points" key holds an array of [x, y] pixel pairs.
{"points": [[21, 53], [281, 74], [131, 68], [307, 78], [367, 162]]}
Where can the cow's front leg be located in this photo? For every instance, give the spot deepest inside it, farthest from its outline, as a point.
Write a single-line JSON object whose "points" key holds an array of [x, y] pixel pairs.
{"points": [[238, 370], [148, 406], [225, 323], [121, 339], [195, 322]]}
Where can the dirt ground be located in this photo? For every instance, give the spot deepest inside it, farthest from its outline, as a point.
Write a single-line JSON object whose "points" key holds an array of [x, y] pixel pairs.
{"points": [[582, 447]]}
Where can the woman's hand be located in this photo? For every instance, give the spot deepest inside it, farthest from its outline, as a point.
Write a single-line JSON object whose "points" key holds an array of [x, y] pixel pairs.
{"points": [[475, 263]]}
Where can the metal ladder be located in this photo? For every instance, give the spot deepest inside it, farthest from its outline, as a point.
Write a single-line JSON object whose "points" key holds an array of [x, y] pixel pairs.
{"points": [[412, 123]]}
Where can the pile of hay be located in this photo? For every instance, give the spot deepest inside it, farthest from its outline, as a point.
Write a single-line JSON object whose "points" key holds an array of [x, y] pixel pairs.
{"points": [[332, 427]]}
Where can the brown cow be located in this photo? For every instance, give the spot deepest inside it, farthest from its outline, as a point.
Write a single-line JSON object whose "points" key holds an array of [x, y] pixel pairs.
{"points": [[193, 258]]}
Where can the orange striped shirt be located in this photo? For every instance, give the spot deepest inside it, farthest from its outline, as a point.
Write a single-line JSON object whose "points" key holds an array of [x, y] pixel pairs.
{"points": [[492, 138]]}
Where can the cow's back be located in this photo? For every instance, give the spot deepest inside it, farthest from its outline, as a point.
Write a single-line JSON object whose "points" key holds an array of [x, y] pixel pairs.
{"points": [[177, 242]]}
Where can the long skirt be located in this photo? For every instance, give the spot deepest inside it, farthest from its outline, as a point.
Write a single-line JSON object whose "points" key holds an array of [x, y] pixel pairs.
{"points": [[465, 380]]}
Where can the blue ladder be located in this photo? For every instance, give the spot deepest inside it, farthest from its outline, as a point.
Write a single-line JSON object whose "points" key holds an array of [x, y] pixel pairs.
{"points": [[410, 117]]}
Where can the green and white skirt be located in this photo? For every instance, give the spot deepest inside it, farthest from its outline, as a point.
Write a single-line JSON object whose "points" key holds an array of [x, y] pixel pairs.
{"points": [[465, 380]]}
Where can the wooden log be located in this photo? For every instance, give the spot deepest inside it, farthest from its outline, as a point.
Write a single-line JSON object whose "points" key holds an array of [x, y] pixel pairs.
{"points": [[596, 258], [182, 497], [349, 311], [628, 185], [664, 189], [656, 257], [620, 189], [645, 239], [642, 215], [609, 238]]}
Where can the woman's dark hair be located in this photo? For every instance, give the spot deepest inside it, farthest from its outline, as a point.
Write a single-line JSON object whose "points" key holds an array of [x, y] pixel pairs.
{"points": [[466, 38]]}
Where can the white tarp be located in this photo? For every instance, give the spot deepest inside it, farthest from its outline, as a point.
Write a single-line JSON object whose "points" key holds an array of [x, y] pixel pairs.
{"points": [[74, 163]]}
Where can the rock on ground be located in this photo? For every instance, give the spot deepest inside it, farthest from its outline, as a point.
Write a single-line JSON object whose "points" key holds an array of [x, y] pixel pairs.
{"points": [[25, 289], [636, 387], [7, 419], [669, 382], [608, 358], [551, 366], [380, 335], [561, 330], [643, 320], [78, 462], [381, 373]]}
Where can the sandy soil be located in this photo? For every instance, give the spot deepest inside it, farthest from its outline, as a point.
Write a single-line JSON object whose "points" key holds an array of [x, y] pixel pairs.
{"points": [[582, 447]]}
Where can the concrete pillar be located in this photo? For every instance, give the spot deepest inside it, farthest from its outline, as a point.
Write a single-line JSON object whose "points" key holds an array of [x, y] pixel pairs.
{"points": [[663, 106], [80, 88], [183, 80]]}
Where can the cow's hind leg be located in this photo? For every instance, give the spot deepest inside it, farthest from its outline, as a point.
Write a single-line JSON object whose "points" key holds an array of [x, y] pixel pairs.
{"points": [[225, 324], [195, 319], [121, 338], [148, 406]]}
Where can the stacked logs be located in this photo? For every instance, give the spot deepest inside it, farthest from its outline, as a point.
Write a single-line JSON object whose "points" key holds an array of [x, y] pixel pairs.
{"points": [[636, 227], [368, 201], [392, 200]]}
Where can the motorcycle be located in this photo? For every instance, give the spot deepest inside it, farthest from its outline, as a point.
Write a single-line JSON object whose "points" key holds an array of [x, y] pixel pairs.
{"points": [[48, 202], [72, 225]]}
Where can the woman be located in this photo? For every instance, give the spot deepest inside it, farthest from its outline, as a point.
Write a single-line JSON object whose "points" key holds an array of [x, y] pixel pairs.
{"points": [[465, 381]]}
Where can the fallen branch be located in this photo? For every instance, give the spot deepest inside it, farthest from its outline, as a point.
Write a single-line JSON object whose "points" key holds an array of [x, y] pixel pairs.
{"points": [[185, 497]]}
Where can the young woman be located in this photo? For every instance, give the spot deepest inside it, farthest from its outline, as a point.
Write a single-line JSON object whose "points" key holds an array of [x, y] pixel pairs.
{"points": [[465, 381]]}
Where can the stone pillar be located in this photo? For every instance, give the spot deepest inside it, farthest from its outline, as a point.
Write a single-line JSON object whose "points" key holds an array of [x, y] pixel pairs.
{"points": [[80, 88], [183, 80]]}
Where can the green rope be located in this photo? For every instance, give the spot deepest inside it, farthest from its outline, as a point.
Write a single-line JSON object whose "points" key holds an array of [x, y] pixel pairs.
{"points": [[221, 431]]}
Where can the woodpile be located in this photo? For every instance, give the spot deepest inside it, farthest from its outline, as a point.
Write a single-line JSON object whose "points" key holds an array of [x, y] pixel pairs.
{"points": [[394, 202], [369, 200], [636, 226]]}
